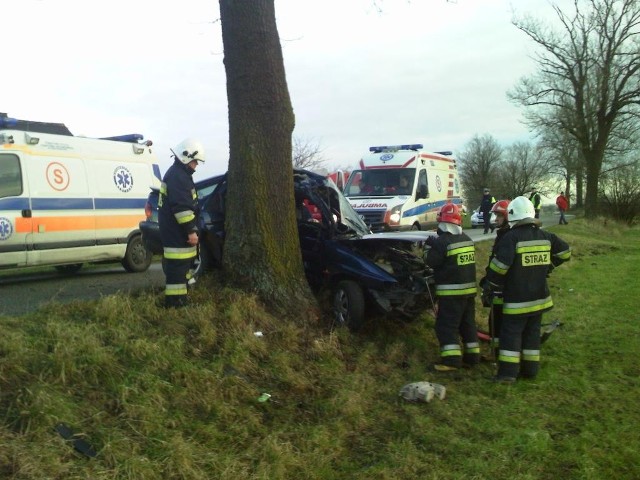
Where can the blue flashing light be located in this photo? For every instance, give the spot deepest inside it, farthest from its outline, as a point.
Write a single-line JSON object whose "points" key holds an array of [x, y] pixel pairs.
{"points": [[130, 138], [8, 122], [394, 148], [446, 152]]}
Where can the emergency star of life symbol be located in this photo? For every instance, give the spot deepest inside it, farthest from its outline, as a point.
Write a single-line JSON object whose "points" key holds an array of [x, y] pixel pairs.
{"points": [[6, 229], [123, 179]]}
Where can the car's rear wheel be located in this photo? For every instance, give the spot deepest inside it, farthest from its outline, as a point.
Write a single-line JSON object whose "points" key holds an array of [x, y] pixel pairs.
{"points": [[348, 305], [137, 257]]}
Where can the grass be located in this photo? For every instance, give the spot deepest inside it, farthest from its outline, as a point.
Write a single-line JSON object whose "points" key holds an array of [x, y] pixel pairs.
{"points": [[174, 394]]}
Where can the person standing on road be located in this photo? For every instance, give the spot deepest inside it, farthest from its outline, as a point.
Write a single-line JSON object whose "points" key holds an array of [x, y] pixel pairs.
{"points": [[452, 257], [495, 303], [562, 204], [177, 212], [536, 200], [523, 259], [486, 203]]}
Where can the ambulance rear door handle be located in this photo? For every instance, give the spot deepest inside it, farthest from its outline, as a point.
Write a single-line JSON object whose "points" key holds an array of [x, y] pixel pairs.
{"points": [[26, 213]]}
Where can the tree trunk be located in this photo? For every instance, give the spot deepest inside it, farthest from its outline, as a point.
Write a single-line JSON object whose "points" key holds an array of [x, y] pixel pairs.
{"points": [[262, 251], [579, 187], [593, 167]]}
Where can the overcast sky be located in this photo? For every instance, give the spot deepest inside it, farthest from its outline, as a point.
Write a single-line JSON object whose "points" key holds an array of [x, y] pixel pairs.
{"points": [[421, 71]]}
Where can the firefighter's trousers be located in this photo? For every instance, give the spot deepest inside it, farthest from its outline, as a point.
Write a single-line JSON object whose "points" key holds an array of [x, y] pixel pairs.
{"points": [[456, 318], [519, 346], [177, 272]]}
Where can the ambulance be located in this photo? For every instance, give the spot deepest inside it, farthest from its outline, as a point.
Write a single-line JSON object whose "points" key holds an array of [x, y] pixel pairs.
{"points": [[402, 187], [68, 200]]}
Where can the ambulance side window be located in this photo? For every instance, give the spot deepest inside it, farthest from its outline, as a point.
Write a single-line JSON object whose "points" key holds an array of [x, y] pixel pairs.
{"points": [[423, 186], [10, 175]]}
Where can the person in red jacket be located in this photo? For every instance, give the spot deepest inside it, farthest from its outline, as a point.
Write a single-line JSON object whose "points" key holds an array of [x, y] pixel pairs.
{"points": [[563, 205]]}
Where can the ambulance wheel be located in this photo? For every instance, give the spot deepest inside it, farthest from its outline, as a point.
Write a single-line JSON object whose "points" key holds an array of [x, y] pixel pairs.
{"points": [[69, 269], [348, 305], [137, 258], [415, 226]]}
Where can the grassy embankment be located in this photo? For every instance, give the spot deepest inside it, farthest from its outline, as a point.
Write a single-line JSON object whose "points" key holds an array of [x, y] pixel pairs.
{"points": [[160, 396]]}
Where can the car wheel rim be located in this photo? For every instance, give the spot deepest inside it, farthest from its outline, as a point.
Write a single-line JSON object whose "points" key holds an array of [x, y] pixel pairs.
{"points": [[341, 307]]}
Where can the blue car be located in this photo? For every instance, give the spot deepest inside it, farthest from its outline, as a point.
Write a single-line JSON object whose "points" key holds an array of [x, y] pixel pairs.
{"points": [[361, 270]]}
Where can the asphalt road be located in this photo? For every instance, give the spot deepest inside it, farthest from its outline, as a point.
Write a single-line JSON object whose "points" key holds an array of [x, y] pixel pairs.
{"points": [[23, 292]]}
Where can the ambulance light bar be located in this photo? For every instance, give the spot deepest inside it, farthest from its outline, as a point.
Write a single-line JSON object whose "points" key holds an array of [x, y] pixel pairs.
{"points": [[446, 152], [393, 148], [130, 138], [7, 122]]}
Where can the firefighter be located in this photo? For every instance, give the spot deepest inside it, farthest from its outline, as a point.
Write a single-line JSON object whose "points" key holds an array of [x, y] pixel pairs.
{"points": [[452, 257], [523, 259], [177, 216], [495, 303]]}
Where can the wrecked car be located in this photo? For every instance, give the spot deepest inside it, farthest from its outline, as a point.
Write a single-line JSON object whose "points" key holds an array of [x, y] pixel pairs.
{"points": [[360, 269]]}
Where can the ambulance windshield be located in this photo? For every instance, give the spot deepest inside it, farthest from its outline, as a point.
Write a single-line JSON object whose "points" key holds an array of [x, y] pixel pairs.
{"points": [[382, 182]]}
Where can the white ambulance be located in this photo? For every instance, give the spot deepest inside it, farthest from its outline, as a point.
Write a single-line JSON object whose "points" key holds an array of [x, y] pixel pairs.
{"points": [[67, 200], [402, 187]]}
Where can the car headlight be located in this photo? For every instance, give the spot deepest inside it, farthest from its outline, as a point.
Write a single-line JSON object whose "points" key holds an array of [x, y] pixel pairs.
{"points": [[394, 215]]}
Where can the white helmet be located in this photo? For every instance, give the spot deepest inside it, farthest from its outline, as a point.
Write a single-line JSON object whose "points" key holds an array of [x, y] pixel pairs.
{"points": [[520, 208], [189, 150]]}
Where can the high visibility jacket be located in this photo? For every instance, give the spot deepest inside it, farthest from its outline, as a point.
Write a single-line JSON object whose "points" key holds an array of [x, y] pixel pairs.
{"points": [[536, 200], [523, 258], [453, 259], [177, 212]]}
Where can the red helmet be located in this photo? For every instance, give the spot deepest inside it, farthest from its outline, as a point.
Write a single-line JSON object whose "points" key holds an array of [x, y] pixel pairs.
{"points": [[450, 213], [501, 207]]}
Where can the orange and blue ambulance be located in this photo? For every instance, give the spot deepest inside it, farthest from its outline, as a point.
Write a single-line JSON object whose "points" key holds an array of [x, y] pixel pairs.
{"points": [[403, 187], [68, 200]]}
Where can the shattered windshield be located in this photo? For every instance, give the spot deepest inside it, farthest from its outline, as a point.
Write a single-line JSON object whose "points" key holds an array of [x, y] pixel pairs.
{"points": [[381, 182], [334, 204]]}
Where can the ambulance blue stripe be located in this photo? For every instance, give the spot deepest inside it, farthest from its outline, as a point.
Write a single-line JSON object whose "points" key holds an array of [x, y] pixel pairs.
{"points": [[14, 203], [420, 209], [71, 203], [62, 204], [116, 203]]}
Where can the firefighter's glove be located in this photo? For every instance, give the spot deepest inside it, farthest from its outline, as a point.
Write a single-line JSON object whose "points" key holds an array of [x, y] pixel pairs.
{"points": [[430, 241], [487, 295]]}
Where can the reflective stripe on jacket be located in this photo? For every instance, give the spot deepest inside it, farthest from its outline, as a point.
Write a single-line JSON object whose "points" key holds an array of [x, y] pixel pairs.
{"points": [[177, 206], [523, 259], [453, 260]]}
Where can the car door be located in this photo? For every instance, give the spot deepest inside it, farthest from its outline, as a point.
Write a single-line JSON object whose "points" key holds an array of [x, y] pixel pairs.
{"points": [[15, 212]]}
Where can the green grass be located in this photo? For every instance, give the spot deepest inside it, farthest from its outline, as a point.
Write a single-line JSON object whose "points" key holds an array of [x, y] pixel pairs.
{"points": [[174, 394]]}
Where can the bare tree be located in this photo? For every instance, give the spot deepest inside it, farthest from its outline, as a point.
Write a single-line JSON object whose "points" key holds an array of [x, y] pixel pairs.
{"points": [[261, 251], [308, 155], [522, 167], [477, 164], [565, 161], [587, 83]]}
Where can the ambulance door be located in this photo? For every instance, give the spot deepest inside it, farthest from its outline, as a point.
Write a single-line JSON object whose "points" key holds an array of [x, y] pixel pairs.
{"points": [[15, 221], [62, 209]]}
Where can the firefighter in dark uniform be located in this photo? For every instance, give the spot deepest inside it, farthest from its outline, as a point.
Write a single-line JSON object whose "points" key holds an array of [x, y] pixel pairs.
{"points": [[495, 303], [177, 215], [523, 259], [452, 257]]}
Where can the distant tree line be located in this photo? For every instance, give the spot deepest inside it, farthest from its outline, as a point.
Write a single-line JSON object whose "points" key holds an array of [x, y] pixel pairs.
{"points": [[583, 105]]}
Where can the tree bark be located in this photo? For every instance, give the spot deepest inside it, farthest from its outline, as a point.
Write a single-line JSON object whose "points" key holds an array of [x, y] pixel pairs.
{"points": [[262, 251]]}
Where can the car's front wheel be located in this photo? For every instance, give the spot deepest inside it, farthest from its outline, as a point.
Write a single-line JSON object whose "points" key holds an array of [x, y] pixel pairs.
{"points": [[348, 304], [137, 258]]}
